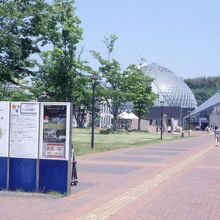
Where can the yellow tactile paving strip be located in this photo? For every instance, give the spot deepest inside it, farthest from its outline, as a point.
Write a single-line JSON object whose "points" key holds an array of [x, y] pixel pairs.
{"points": [[113, 206]]}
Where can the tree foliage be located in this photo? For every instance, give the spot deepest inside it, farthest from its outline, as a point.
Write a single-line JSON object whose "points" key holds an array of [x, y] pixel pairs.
{"points": [[122, 86], [203, 82], [61, 75], [203, 87], [21, 29], [58, 71], [140, 86], [51, 30], [112, 89]]}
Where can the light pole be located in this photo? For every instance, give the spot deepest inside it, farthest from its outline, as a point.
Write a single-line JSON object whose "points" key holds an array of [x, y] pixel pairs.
{"points": [[161, 118], [94, 83], [189, 120]]}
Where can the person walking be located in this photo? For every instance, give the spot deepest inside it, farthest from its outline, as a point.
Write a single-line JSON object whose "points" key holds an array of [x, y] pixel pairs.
{"points": [[217, 135]]}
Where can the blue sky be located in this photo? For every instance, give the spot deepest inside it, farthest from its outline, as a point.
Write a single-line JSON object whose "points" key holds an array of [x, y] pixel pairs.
{"points": [[183, 35]]}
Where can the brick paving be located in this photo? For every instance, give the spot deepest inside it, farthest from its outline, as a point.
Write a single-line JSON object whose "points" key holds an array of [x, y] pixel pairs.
{"points": [[166, 181]]}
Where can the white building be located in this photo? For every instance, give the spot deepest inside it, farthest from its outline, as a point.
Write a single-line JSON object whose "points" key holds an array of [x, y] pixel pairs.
{"points": [[105, 115]]}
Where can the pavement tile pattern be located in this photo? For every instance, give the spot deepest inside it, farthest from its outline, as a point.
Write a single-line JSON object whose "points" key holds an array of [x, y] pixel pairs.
{"points": [[165, 181]]}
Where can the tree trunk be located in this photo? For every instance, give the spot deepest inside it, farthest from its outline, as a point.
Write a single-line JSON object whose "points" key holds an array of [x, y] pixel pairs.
{"points": [[115, 123], [80, 116], [139, 124]]}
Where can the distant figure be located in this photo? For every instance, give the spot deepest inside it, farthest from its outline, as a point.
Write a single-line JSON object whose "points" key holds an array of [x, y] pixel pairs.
{"points": [[217, 135], [207, 129]]}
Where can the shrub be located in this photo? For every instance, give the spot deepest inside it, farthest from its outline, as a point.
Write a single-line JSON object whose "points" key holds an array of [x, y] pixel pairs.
{"points": [[105, 131], [111, 131], [136, 130]]}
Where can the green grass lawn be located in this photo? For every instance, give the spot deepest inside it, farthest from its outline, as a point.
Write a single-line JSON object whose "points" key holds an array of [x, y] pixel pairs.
{"points": [[106, 142]]}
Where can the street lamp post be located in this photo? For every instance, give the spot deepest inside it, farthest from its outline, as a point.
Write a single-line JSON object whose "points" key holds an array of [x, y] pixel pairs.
{"points": [[94, 83], [190, 123], [189, 120], [161, 119]]}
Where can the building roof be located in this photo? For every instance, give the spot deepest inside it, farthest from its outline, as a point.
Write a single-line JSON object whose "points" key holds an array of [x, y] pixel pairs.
{"points": [[125, 115], [214, 100], [132, 115], [171, 88]]}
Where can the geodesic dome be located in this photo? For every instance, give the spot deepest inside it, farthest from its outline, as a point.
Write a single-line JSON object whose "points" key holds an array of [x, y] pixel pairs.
{"points": [[172, 89]]}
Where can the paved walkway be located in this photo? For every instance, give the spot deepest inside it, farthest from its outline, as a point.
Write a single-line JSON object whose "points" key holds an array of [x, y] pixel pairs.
{"points": [[168, 181]]}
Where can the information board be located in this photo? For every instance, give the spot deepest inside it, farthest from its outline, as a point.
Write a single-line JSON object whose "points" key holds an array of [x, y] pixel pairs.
{"points": [[55, 131], [35, 143], [24, 130], [4, 128]]}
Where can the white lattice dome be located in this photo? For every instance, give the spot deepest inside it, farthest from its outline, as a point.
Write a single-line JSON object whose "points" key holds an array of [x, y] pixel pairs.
{"points": [[172, 89]]}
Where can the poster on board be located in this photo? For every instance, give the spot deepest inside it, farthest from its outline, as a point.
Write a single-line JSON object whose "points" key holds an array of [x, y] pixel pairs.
{"points": [[24, 130], [4, 128], [55, 131]]}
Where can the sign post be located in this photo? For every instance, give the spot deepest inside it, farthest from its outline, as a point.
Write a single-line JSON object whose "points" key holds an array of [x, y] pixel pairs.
{"points": [[55, 147]]}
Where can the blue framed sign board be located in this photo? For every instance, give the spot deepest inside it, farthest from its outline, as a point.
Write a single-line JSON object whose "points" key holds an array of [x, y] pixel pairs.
{"points": [[35, 145]]}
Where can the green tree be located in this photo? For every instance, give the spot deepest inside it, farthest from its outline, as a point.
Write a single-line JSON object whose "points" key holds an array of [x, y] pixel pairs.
{"points": [[21, 31], [140, 86], [82, 97], [203, 87], [119, 87], [112, 89], [62, 74]]}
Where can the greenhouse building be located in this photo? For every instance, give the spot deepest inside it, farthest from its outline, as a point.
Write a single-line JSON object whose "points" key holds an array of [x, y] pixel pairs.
{"points": [[175, 99]]}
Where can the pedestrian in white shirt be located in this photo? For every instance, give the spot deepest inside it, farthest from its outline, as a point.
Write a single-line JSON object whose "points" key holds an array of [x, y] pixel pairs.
{"points": [[217, 135]]}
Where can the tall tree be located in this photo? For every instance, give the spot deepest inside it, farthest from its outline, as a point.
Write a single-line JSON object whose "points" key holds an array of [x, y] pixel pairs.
{"points": [[140, 86], [112, 89], [61, 76], [59, 68]]}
